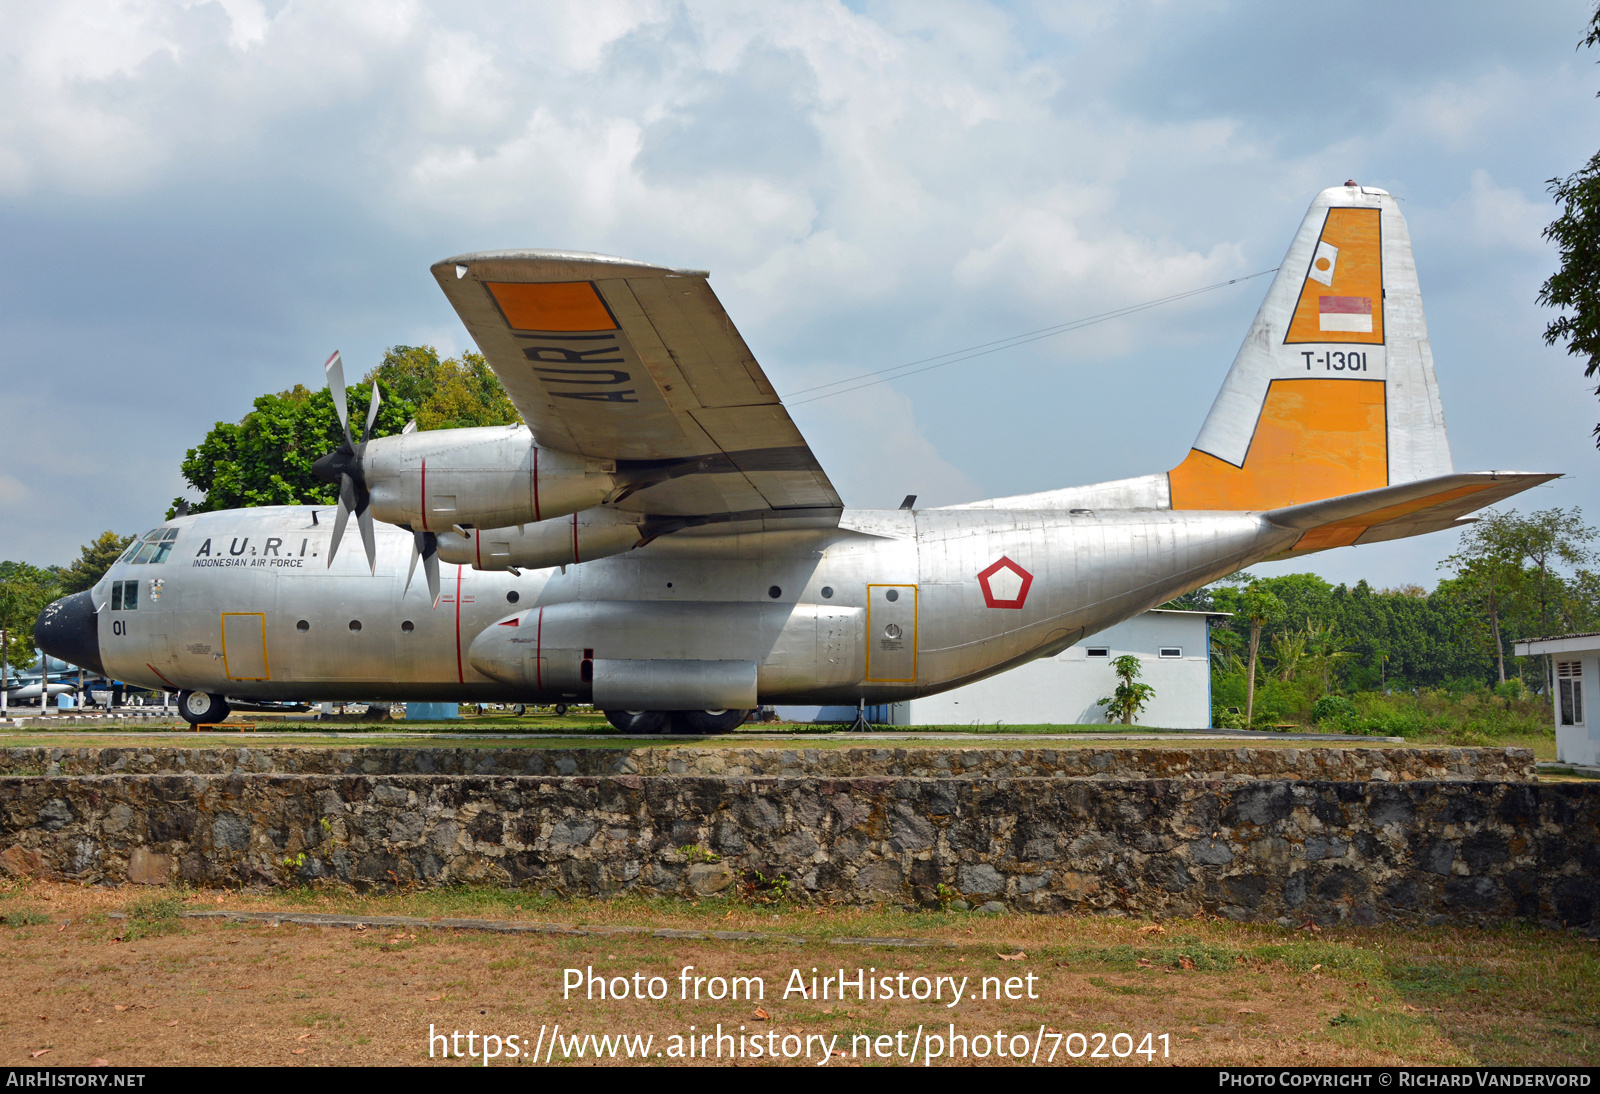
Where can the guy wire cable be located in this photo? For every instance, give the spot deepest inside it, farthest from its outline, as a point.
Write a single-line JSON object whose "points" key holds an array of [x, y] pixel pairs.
{"points": [[984, 348]]}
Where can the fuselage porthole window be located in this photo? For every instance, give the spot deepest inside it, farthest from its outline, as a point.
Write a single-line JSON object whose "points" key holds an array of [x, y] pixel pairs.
{"points": [[827, 592], [303, 626], [407, 626], [355, 626], [512, 597]]}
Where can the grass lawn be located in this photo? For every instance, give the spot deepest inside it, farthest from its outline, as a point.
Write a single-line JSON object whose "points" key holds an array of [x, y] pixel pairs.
{"points": [[156, 987]]}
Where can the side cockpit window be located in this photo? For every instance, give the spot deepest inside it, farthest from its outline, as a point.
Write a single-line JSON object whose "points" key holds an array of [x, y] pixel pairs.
{"points": [[124, 596], [152, 547]]}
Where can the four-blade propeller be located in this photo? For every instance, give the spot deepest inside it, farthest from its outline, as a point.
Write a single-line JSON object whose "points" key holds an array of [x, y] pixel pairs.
{"points": [[343, 466]]}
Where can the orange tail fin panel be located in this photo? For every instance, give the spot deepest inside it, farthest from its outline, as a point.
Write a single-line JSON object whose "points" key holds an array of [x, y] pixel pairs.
{"points": [[1342, 298], [1315, 439]]}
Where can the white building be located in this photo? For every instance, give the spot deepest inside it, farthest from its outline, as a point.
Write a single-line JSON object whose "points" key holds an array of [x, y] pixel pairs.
{"points": [[1577, 673], [1174, 649]]}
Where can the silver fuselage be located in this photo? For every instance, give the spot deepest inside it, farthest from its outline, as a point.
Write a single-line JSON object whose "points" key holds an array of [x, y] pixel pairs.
{"points": [[245, 604]]}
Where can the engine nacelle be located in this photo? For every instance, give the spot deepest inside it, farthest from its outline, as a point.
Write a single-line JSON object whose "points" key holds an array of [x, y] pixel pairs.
{"points": [[486, 477], [580, 537]]}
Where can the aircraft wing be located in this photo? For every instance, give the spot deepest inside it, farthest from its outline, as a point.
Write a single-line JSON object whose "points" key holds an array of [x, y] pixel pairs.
{"points": [[1393, 512], [639, 364]]}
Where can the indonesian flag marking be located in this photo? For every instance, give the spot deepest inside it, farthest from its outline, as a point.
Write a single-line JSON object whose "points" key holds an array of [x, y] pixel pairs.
{"points": [[1345, 313]]}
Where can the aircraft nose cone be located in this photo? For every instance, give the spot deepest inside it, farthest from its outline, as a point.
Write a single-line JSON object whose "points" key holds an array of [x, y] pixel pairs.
{"points": [[69, 629]]}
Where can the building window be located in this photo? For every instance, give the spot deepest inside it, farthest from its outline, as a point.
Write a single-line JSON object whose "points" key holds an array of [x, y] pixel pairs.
{"points": [[1171, 651], [1569, 692], [1097, 651]]}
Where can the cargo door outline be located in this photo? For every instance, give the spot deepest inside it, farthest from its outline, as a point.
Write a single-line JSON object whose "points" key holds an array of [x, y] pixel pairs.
{"points": [[892, 656], [249, 654]]}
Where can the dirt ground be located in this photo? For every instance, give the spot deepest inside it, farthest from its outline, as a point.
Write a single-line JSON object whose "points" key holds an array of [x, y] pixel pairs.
{"points": [[123, 976]]}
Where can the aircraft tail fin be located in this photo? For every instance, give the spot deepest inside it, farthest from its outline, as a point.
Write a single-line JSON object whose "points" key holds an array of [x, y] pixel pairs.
{"points": [[1333, 391]]}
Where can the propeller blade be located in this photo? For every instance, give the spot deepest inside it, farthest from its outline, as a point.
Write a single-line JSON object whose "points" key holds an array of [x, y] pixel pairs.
{"points": [[430, 567], [412, 569], [372, 413], [368, 536], [341, 517], [333, 368]]}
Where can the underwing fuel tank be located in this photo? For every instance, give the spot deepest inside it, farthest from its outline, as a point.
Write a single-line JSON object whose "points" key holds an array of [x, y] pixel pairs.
{"points": [[486, 477], [581, 537]]}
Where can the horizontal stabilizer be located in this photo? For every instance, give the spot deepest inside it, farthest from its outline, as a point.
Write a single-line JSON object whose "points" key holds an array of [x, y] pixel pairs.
{"points": [[1392, 512]]}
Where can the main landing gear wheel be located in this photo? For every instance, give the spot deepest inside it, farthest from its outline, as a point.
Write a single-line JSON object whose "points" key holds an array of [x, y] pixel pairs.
{"points": [[200, 708], [638, 721], [707, 721]]}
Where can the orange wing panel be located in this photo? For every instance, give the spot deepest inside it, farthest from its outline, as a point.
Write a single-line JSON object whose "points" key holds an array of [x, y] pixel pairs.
{"points": [[552, 306], [1346, 532], [1315, 439], [1338, 311]]}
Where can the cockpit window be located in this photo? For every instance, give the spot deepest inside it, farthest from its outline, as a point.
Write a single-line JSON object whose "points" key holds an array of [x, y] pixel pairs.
{"points": [[154, 546], [168, 537]]}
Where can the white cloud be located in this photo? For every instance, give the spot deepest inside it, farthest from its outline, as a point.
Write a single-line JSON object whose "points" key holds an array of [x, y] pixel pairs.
{"points": [[867, 184], [1502, 217], [12, 492]]}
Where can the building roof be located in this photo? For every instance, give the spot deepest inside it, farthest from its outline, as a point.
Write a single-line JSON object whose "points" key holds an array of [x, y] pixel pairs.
{"points": [[1559, 643], [1185, 611]]}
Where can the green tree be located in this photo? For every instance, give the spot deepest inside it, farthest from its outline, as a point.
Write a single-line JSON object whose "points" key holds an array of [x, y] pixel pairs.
{"points": [[1509, 564], [1259, 607], [24, 592], [1288, 649], [1325, 648], [266, 457], [1575, 286], [94, 559], [448, 394], [1131, 696]]}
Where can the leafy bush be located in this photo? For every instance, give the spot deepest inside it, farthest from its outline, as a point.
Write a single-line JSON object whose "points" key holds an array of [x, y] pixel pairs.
{"points": [[1331, 708]]}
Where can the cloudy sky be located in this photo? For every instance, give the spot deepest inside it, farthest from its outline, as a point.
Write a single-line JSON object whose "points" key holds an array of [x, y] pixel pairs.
{"points": [[199, 200]]}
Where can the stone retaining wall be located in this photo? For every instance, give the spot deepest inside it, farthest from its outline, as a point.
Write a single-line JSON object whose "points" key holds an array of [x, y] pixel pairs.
{"points": [[1329, 764], [1329, 851]]}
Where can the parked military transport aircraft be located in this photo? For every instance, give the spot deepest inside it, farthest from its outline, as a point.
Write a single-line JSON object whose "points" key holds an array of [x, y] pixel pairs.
{"points": [[659, 540]]}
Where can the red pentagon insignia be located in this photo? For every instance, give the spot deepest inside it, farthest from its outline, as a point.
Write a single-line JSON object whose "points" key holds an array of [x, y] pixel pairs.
{"points": [[1005, 584]]}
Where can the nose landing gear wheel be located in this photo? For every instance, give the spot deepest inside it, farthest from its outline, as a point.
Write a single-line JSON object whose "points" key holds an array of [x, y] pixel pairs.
{"points": [[638, 721], [707, 721], [200, 708]]}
